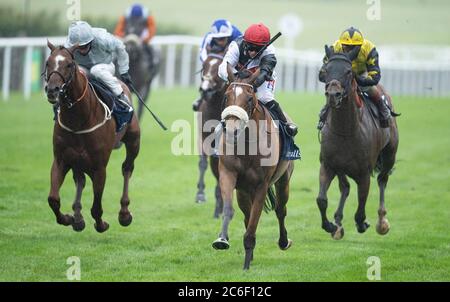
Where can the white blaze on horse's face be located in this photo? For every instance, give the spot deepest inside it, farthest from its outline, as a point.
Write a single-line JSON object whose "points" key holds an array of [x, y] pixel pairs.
{"points": [[58, 59], [207, 78], [238, 91]]}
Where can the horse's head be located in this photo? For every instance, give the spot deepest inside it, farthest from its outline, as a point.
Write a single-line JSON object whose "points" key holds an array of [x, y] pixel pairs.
{"points": [[59, 72], [240, 102], [338, 75], [211, 83], [132, 45]]}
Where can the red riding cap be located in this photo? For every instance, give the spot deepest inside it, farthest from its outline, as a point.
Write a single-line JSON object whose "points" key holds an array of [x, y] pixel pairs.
{"points": [[257, 34]]}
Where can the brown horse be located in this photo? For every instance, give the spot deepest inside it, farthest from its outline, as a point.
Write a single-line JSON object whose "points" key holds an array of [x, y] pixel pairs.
{"points": [[212, 91], [353, 144], [248, 173], [83, 138]]}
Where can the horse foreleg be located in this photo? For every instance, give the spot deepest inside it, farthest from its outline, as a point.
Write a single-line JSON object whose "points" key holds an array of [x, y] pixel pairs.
{"points": [[363, 192], [144, 94], [227, 182], [132, 144], [78, 221], [325, 178], [344, 187], [58, 173], [214, 163], [255, 214], [202, 166], [282, 191], [98, 182]]}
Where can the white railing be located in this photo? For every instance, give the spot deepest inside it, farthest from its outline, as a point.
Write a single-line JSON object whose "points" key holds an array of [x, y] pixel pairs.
{"points": [[408, 70]]}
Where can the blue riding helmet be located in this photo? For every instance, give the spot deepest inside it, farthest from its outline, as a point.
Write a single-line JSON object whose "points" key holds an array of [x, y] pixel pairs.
{"points": [[137, 10], [221, 28]]}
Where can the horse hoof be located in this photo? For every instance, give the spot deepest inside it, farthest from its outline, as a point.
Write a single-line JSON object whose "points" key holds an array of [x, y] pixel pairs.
{"points": [[126, 219], [361, 228], [201, 198], [102, 228], [221, 244], [78, 226], [329, 227], [383, 227], [339, 233], [288, 245], [65, 220]]}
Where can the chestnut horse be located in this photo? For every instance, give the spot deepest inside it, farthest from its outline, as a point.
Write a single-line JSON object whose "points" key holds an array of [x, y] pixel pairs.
{"points": [[83, 138], [251, 174], [353, 144], [212, 91]]}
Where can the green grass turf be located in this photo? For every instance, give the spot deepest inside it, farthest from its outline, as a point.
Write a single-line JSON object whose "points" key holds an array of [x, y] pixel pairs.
{"points": [[170, 237], [402, 21]]}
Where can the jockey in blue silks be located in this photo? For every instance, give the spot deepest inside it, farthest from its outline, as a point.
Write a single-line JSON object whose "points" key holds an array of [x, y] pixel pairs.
{"points": [[222, 33]]}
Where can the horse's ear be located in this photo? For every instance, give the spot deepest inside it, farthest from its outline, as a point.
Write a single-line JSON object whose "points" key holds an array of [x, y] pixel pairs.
{"points": [[354, 53], [50, 45], [329, 51], [231, 77]]}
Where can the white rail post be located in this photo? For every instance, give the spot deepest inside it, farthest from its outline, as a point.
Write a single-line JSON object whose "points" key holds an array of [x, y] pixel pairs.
{"points": [[170, 65], [186, 59], [6, 72], [27, 72]]}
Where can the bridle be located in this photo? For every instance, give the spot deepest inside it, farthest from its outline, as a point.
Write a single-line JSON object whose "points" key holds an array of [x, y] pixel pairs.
{"points": [[206, 95], [63, 91], [348, 80], [253, 105]]}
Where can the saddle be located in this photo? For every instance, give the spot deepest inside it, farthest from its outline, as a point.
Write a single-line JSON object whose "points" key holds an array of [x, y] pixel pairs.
{"points": [[121, 111], [289, 150]]}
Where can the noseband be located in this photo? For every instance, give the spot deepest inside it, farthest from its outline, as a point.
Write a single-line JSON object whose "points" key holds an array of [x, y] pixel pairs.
{"points": [[348, 82]]}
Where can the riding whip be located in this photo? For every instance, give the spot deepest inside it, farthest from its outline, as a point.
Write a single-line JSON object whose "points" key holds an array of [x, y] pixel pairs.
{"points": [[130, 84]]}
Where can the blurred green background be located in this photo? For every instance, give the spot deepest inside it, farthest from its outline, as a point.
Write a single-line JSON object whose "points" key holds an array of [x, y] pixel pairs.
{"points": [[401, 22]]}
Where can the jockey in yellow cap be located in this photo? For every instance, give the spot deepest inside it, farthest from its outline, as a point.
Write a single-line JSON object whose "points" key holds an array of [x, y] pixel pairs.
{"points": [[366, 69]]}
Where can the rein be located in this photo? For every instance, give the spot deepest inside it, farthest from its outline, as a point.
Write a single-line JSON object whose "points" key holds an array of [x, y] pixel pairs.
{"points": [[105, 119]]}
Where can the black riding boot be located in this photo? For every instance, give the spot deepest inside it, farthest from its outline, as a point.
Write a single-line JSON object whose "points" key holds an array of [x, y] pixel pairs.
{"points": [[291, 128], [322, 117], [196, 104], [385, 112]]}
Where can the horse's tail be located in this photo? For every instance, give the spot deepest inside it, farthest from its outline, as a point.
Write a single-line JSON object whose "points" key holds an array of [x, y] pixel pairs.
{"points": [[271, 200], [379, 166]]}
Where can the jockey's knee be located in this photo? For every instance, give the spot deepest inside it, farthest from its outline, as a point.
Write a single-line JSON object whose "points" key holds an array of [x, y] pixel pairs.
{"points": [[100, 71]]}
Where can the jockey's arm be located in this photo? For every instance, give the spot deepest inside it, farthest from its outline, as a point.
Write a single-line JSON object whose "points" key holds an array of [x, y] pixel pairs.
{"points": [[118, 48], [151, 29], [120, 27], [373, 70], [266, 68], [232, 58]]}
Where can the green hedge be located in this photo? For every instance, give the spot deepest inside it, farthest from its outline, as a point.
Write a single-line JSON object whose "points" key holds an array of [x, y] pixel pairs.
{"points": [[13, 23]]}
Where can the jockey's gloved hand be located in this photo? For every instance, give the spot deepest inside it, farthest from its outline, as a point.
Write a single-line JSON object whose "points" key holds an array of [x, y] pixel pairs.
{"points": [[362, 80], [126, 78]]}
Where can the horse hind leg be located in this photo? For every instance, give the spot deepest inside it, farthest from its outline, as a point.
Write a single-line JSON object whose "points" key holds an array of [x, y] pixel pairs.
{"points": [[98, 182], [202, 166], [132, 144], [282, 194], [80, 182], [214, 163], [344, 187], [387, 163], [363, 191], [58, 173]]}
